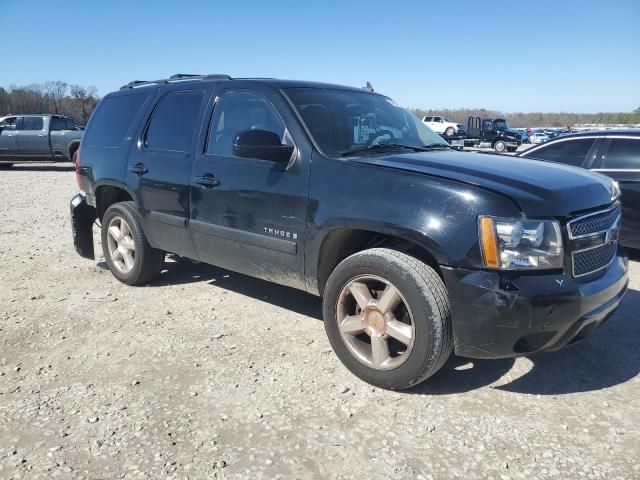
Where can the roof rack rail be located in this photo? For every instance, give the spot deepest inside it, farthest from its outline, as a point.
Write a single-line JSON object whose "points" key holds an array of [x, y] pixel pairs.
{"points": [[176, 78]]}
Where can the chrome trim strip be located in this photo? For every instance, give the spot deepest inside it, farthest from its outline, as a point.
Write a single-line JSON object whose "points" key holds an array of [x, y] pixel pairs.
{"points": [[593, 234], [637, 170], [573, 263]]}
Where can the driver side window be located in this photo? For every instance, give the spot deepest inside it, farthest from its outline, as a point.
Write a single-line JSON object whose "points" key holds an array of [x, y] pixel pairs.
{"points": [[239, 111]]}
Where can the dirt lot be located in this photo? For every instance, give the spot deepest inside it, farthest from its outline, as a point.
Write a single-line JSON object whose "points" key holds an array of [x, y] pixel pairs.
{"points": [[209, 374]]}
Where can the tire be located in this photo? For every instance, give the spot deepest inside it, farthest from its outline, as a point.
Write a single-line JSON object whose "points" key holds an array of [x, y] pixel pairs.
{"points": [[424, 303], [449, 132], [499, 146], [141, 263]]}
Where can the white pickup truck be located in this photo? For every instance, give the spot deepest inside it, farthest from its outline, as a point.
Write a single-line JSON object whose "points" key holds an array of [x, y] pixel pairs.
{"points": [[444, 126]]}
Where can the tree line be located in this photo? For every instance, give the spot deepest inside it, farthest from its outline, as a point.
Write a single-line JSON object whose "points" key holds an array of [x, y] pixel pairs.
{"points": [[55, 97], [534, 119], [78, 102]]}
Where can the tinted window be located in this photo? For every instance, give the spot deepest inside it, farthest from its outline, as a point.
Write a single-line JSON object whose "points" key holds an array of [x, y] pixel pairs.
{"points": [[58, 123], [237, 112], [9, 123], [569, 152], [32, 123], [112, 119], [428, 119], [623, 153], [71, 125], [174, 121]]}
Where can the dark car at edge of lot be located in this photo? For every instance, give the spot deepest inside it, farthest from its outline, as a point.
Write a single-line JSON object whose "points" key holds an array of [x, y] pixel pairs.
{"points": [[416, 249], [615, 153]]}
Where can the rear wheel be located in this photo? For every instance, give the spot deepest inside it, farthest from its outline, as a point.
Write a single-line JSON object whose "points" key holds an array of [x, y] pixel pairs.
{"points": [[499, 146], [387, 317], [449, 132], [126, 250]]}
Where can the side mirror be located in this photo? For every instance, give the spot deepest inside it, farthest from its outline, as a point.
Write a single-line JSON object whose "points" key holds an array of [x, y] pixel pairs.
{"points": [[261, 144]]}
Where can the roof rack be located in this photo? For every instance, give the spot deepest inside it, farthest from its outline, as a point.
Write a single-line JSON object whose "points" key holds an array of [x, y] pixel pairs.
{"points": [[176, 78]]}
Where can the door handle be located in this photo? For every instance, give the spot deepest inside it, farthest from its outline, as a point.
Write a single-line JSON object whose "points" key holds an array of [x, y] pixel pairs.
{"points": [[139, 169], [207, 181], [41, 135]]}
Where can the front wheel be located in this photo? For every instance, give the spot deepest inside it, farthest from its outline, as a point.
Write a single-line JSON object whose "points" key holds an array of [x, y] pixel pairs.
{"points": [[387, 317], [449, 132], [499, 146], [126, 250]]}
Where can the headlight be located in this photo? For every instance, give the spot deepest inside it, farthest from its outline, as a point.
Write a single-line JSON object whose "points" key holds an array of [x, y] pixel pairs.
{"points": [[520, 244]]}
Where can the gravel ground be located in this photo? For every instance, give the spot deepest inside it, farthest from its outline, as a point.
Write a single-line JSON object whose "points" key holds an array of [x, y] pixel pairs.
{"points": [[209, 374]]}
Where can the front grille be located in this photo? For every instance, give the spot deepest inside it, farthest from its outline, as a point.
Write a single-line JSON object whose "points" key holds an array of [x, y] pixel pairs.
{"points": [[593, 259], [594, 223]]}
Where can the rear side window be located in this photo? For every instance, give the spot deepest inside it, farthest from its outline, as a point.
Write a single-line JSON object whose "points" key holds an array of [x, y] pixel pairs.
{"points": [[57, 123], [569, 152], [623, 153], [111, 121], [32, 123], [174, 121]]}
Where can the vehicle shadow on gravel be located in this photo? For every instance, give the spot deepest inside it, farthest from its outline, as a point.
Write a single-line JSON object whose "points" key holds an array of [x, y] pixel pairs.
{"points": [[180, 270], [609, 357], [42, 168]]}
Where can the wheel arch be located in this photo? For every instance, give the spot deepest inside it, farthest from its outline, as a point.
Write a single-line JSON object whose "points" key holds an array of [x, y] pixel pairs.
{"points": [[109, 192], [72, 148], [340, 242]]}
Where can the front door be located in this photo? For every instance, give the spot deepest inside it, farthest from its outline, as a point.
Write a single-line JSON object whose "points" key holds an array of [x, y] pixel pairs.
{"points": [[159, 168], [33, 138], [8, 141], [248, 214]]}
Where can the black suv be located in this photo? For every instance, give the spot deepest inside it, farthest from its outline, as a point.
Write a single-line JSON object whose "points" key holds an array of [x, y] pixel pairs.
{"points": [[416, 249], [615, 153]]}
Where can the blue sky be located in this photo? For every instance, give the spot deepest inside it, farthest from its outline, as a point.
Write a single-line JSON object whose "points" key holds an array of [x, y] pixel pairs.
{"points": [[581, 56]]}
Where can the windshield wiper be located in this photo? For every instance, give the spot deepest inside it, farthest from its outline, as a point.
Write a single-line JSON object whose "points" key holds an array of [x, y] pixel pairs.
{"points": [[383, 146], [436, 146]]}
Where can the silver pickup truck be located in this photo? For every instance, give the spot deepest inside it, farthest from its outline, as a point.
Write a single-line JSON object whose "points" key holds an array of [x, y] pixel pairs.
{"points": [[39, 138]]}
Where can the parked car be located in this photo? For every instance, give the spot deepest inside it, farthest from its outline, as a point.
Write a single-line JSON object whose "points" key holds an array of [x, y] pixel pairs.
{"points": [[444, 126], [538, 137], [417, 249], [615, 153], [40, 138]]}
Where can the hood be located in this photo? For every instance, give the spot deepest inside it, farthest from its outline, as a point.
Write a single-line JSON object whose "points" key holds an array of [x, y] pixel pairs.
{"points": [[510, 133], [541, 189]]}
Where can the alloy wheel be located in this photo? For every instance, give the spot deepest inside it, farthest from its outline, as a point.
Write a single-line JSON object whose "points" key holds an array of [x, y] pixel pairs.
{"points": [[121, 245], [375, 322]]}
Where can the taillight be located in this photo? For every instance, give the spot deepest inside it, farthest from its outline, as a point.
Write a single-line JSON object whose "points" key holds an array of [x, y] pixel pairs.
{"points": [[76, 163]]}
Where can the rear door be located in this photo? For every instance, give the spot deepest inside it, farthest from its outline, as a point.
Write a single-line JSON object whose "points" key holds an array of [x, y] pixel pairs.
{"points": [[33, 137], [251, 216], [8, 139], [159, 167], [619, 158]]}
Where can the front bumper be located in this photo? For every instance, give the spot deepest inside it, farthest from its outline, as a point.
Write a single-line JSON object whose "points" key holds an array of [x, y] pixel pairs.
{"points": [[82, 217], [502, 315]]}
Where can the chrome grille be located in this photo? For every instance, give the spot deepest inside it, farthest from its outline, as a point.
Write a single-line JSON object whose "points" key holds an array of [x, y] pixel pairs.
{"points": [[594, 223], [593, 259]]}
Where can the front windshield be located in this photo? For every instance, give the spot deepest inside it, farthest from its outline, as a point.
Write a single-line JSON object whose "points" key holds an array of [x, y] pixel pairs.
{"points": [[344, 120], [501, 125]]}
